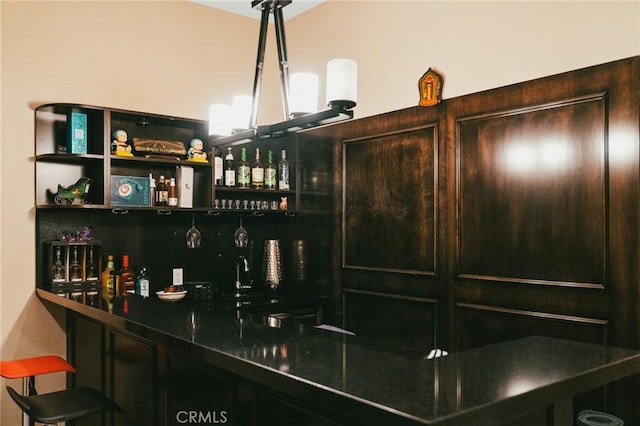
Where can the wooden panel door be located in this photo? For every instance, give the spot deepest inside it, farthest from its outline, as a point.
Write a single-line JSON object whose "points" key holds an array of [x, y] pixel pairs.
{"points": [[546, 181]]}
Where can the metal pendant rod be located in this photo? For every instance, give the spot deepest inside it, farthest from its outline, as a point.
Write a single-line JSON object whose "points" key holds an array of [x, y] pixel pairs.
{"points": [[257, 80], [282, 58]]}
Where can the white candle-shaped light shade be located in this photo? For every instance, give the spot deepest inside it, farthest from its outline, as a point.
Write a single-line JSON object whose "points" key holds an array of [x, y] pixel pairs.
{"points": [[303, 93], [219, 120], [342, 82], [241, 106]]}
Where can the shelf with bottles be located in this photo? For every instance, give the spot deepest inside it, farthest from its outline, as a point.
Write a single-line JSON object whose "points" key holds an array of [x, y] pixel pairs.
{"points": [[73, 266], [256, 178]]}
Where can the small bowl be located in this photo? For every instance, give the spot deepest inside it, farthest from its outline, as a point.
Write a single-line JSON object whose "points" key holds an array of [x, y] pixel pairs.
{"points": [[172, 296]]}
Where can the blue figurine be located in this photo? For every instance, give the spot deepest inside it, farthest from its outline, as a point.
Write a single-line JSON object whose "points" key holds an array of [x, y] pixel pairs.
{"points": [[196, 151]]}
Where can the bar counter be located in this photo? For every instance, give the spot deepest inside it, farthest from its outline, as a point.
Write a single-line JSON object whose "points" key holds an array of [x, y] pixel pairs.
{"points": [[348, 380]]}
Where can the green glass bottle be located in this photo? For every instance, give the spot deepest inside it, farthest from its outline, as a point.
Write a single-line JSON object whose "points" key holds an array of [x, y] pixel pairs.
{"points": [[270, 172], [243, 178]]}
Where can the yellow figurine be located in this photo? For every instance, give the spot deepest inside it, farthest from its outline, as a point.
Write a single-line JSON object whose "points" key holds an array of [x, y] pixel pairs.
{"points": [[119, 144]]}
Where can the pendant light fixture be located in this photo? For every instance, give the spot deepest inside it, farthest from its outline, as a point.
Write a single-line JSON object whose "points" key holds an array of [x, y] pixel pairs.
{"points": [[299, 93]]}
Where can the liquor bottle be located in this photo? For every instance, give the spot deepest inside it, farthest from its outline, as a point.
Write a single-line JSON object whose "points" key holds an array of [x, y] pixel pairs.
{"points": [[58, 271], [243, 177], [143, 283], [283, 172], [108, 280], [229, 169], [257, 172], [218, 167], [162, 192], [75, 270], [92, 267], [152, 190], [270, 172], [172, 193], [127, 277]]}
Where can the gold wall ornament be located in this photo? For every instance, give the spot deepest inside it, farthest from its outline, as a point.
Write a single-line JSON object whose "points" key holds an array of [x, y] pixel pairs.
{"points": [[430, 88]]}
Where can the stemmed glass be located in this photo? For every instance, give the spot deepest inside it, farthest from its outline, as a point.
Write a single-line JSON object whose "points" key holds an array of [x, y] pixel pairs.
{"points": [[193, 235]]}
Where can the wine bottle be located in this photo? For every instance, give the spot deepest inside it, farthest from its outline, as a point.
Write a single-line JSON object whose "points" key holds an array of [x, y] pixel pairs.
{"points": [[270, 172], [243, 176], [218, 167], [229, 169], [257, 172], [127, 277], [283, 172]]}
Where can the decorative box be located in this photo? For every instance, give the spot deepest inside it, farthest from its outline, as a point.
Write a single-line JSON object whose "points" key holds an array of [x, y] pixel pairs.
{"points": [[130, 191], [77, 133], [184, 180]]}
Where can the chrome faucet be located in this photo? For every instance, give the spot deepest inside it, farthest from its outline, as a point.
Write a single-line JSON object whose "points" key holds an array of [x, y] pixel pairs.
{"points": [[242, 269]]}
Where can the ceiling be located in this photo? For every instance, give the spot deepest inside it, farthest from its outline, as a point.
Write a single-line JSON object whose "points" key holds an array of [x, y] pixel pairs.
{"points": [[243, 7]]}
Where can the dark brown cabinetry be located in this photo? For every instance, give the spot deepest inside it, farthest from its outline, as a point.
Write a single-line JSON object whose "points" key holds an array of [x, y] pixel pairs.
{"points": [[496, 215]]}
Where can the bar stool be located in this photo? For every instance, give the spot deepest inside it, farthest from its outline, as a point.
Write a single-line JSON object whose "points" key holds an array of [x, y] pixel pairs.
{"points": [[55, 406]]}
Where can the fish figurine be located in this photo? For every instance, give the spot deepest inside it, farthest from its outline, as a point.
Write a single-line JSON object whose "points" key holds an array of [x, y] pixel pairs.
{"points": [[73, 194]]}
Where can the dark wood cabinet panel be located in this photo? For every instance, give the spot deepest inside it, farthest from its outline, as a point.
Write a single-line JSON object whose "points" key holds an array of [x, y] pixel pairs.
{"points": [[85, 349], [532, 196], [271, 410], [481, 325], [133, 377], [390, 198], [196, 392], [410, 322]]}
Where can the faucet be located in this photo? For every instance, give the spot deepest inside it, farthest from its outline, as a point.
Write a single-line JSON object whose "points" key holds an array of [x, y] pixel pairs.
{"points": [[242, 269]]}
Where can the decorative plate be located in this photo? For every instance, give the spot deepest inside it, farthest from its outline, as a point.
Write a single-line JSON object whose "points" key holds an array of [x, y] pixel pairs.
{"points": [[172, 296]]}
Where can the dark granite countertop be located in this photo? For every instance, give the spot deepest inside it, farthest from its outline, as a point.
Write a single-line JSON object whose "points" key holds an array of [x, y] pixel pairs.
{"points": [[367, 380]]}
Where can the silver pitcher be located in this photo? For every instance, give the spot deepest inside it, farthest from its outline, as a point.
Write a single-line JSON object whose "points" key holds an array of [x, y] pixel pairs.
{"points": [[272, 264]]}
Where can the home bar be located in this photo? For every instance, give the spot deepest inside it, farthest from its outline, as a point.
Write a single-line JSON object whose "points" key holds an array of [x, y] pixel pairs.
{"points": [[465, 260]]}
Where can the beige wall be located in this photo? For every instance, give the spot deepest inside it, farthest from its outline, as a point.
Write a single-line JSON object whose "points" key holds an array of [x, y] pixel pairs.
{"points": [[176, 58]]}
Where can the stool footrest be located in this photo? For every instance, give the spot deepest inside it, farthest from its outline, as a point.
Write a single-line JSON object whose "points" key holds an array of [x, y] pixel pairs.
{"points": [[63, 405]]}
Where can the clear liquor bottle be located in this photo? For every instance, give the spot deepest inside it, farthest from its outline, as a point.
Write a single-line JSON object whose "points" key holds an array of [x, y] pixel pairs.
{"points": [[257, 172], [243, 177], [75, 269], [283, 172], [270, 172], [92, 267], [58, 271]]}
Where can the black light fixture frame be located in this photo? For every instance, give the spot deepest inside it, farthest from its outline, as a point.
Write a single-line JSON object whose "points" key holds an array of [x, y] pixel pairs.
{"points": [[337, 111]]}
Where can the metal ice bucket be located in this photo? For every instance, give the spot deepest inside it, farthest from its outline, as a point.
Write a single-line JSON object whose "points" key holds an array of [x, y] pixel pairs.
{"points": [[272, 264]]}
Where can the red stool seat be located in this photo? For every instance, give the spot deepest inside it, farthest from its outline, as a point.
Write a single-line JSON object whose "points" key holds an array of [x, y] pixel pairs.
{"points": [[27, 367]]}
